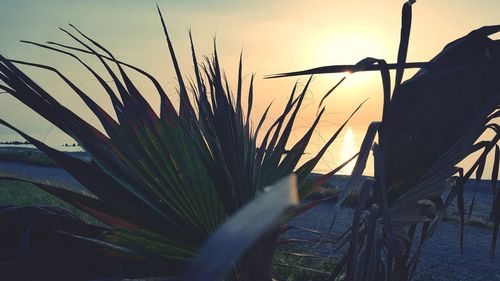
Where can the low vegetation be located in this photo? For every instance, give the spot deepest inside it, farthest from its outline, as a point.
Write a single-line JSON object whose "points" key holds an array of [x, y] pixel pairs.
{"points": [[23, 194]]}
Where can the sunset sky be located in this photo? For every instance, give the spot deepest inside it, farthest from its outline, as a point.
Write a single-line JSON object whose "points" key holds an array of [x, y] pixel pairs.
{"points": [[274, 36]]}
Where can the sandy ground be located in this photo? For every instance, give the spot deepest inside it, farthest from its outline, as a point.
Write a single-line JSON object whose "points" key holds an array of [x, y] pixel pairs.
{"points": [[55, 176], [441, 258]]}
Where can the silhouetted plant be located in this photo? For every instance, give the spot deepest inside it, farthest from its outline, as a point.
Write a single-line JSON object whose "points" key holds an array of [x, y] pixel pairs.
{"points": [[162, 184], [429, 124]]}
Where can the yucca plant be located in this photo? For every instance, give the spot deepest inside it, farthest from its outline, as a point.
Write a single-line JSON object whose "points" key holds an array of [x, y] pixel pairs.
{"points": [[430, 123], [160, 184]]}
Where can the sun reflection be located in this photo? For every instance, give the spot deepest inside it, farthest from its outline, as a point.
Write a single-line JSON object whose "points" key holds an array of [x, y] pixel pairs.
{"points": [[347, 150]]}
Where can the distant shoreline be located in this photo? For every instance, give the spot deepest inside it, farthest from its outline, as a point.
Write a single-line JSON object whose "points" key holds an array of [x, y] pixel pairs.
{"points": [[30, 147], [33, 156], [15, 143]]}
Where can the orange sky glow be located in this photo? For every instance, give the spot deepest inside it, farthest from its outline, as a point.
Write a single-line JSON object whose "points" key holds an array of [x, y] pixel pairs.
{"points": [[274, 36]]}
